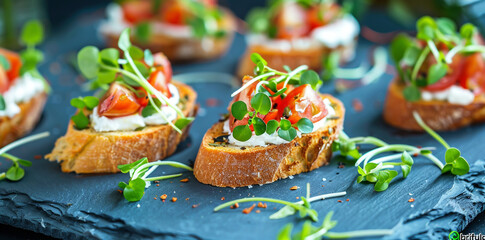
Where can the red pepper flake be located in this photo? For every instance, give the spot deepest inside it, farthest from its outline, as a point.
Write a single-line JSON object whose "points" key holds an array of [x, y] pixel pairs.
{"points": [[158, 185], [38, 157], [249, 209], [236, 205], [347, 200], [411, 200], [223, 198], [154, 198], [156, 181], [357, 105], [339, 201], [323, 185], [187, 199], [294, 188], [184, 180], [258, 211], [163, 197], [341, 165], [262, 205], [415, 154], [120, 191], [212, 102], [195, 205], [174, 199]]}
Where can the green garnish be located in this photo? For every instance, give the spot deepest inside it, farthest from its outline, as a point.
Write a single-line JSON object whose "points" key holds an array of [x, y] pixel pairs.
{"points": [[302, 207], [16, 172], [409, 56], [378, 170], [81, 121], [262, 104], [134, 190], [309, 232], [104, 67], [32, 35], [2, 103]]}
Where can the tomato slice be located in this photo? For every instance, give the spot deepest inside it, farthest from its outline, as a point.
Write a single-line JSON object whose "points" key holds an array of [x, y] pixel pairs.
{"points": [[118, 102], [160, 60], [15, 63], [137, 11], [473, 74], [4, 82], [174, 12], [322, 14], [454, 70], [304, 102], [291, 21]]}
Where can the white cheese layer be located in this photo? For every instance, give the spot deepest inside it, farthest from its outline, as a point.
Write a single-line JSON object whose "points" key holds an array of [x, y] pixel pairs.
{"points": [[338, 33], [132, 122], [453, 94], [23, 89], [265, 139]]}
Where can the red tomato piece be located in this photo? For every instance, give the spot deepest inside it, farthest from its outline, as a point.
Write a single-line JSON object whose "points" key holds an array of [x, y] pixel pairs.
{"points": [[118, 102], [304, 102], [160, 60], [322, 14], [174, 12], [4, 82], [291, 21], [15, 63], [137, 11]]}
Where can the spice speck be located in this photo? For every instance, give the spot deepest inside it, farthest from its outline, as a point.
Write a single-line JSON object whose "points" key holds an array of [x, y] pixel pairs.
{"points": [[294, 188], [249, 209]]}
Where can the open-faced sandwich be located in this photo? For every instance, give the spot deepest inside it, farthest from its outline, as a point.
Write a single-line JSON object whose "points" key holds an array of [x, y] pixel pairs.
{"points": [[23, 90], [278, 125], [184, 30], [142, 114], [441, 76], [294, 33]]}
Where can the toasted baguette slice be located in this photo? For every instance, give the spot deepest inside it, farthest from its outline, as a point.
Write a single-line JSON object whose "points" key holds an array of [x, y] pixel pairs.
{"points": [[439, 115], [88, 151], [24, 121], [181, 49], [232, 166], [312, 57]]}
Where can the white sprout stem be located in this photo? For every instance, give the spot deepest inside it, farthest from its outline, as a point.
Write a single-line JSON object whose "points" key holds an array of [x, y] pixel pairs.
{"points": [[170, 163], [150, 99], [379, 68], [317, 235], [294, 72], [397, 147], [434, 50], [23, 141], [359, 233], [452, 53], [435, 160], [259, 85], [389, 158], [474, 48], [324, 196], [379, 167], [352, 73], [251, 82]]}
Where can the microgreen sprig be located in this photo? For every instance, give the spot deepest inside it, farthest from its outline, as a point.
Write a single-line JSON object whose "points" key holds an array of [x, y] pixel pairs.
{"points": [[80, 120], [303, 207], [139, 171], [106, 66], [309, 232], [15, 172], [379, 171]]}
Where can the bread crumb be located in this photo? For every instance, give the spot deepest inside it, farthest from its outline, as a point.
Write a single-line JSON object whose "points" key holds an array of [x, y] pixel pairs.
{"points": [[347, 200], [195, 205], [250, 186], [163, 197], [324, 179], [290, 177], [158, 185], [236, 205], [187, 199], [174, 199], [411, 200], [262, 205], [184, 180], [223, 198], [249, 209], [294, 188], [357, 105], [339, 201]]}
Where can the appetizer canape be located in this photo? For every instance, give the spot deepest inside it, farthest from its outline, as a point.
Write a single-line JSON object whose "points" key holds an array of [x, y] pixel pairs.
{"points": [[295, 33], [278, 125], [184, 30], [441, 76], [23, 90], [142, 114]]}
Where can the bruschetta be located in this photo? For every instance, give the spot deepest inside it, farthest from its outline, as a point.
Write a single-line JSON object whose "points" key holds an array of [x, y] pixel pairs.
{"points": [[278, 125], [184, 30], [23, 90], [441, 76], [142, 114], [295, 33]]}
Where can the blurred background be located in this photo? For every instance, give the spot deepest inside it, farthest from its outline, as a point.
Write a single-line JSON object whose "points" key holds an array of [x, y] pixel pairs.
{"points": [[403, 13]]}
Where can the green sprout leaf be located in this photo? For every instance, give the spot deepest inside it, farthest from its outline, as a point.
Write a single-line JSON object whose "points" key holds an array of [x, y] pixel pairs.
{"points": [[109, 56], [181, 123], [136, 53], [91, 102], [305, 125], [15, 173], [88, 63], [399, 46], [135, 190], [143, 31], [80, 120], [242, 133], [446, 26], [310, 77], [239, 110], [32, 33], [271, 126], [436, 72], [4, 63], [124, 40], [287, 135], [467, 31], [411, 93], [455, 163], [149, 57], [2, 103], [77, 103], [127, 167], [259, 126], [261, 103], [285, 124]]}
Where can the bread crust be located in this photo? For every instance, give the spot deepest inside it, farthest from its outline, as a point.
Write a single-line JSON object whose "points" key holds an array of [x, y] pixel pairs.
{"points": [[237, 167], [24, 121], [185, 49], [88, 151], [439, 115], [312, 57]]}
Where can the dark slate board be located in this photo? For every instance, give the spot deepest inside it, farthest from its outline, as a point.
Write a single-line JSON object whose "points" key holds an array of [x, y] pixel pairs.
{"points": [[89, 206]]}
